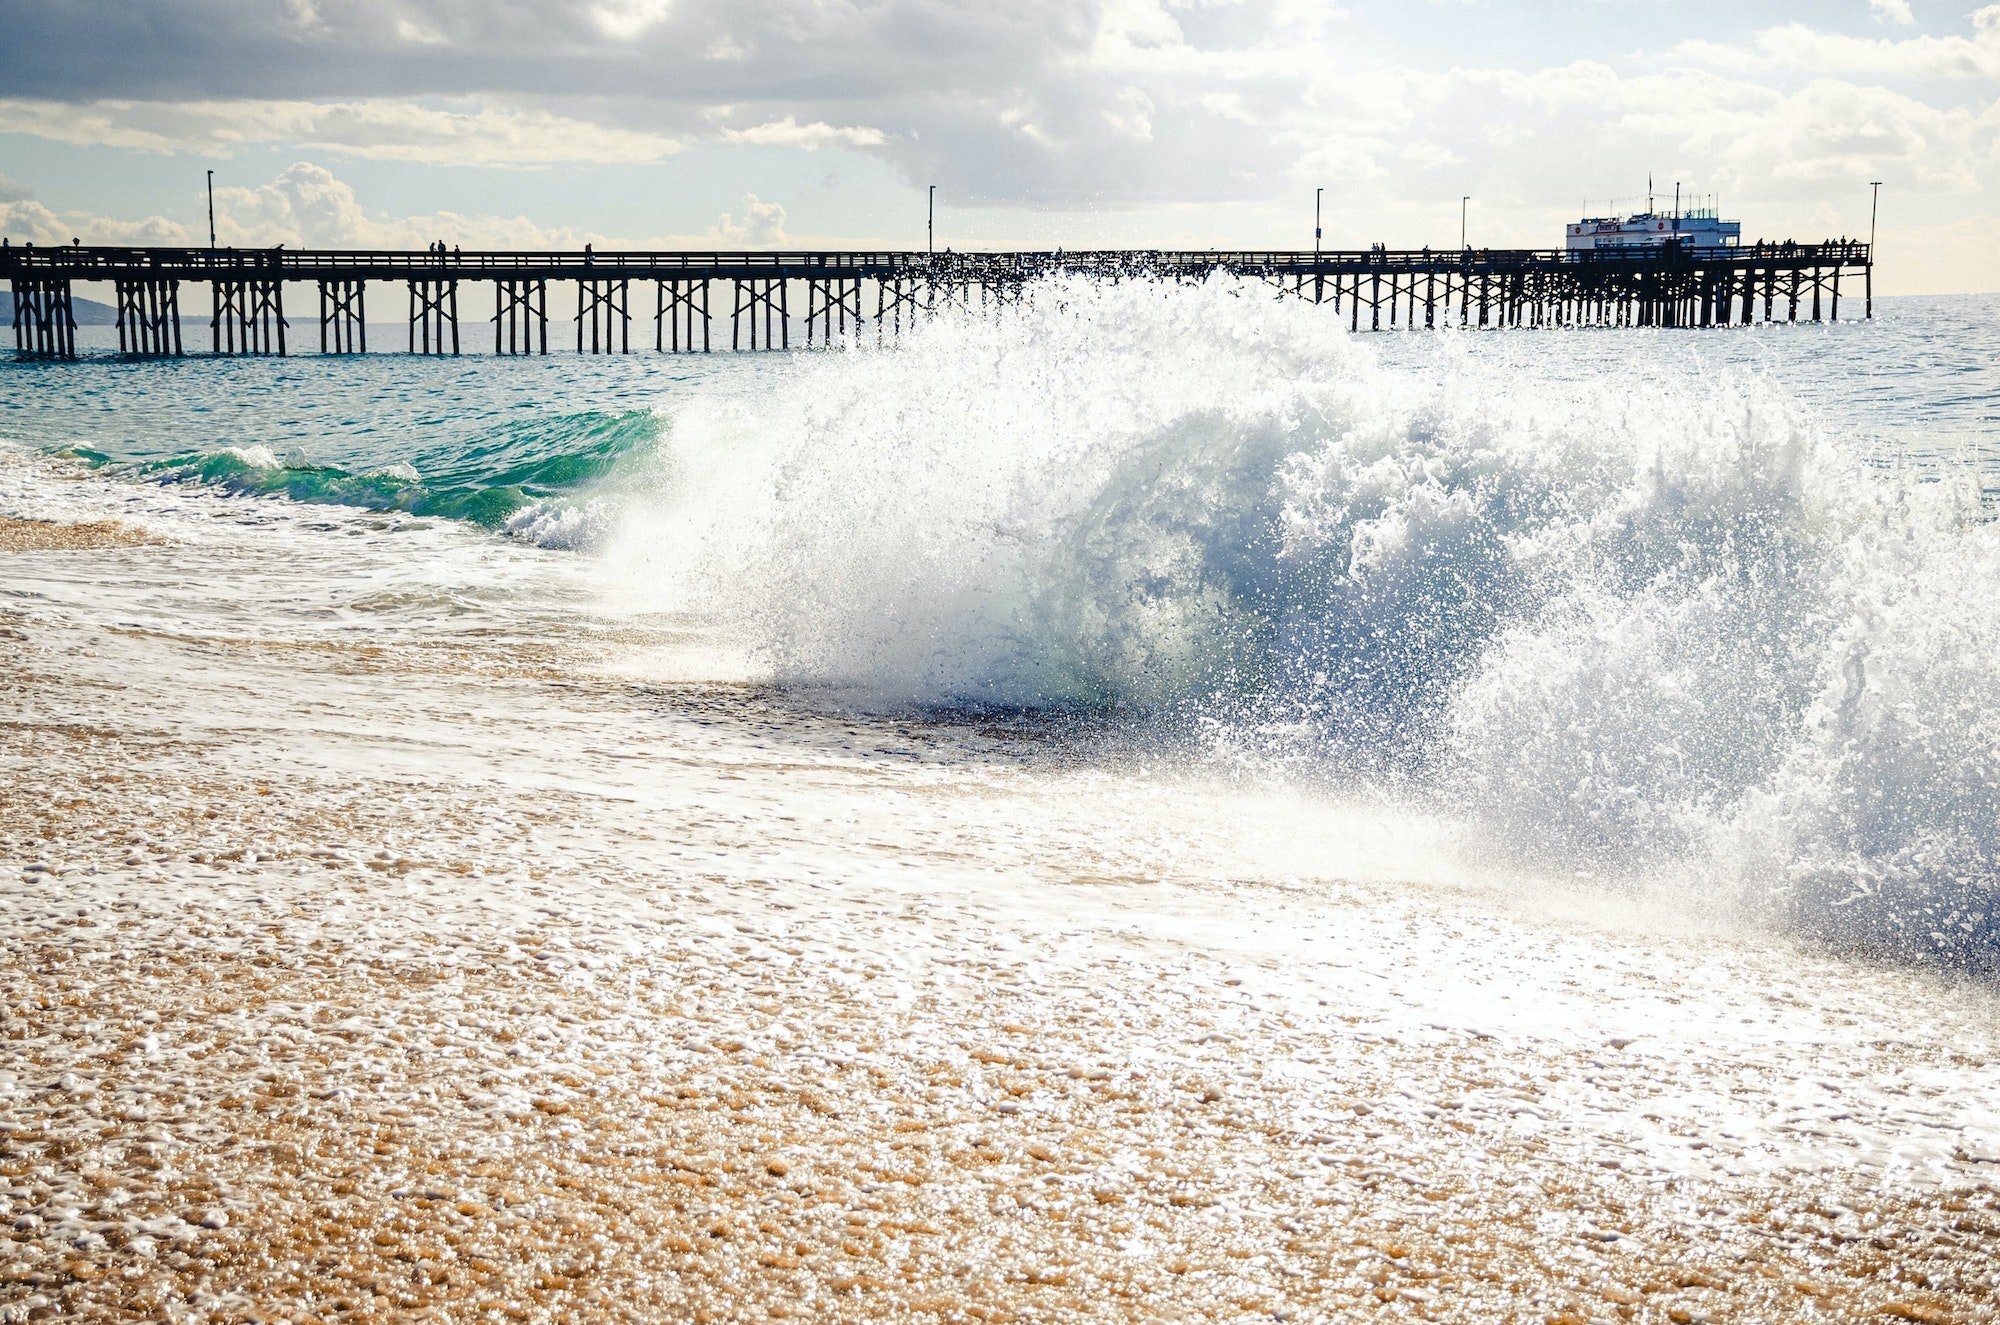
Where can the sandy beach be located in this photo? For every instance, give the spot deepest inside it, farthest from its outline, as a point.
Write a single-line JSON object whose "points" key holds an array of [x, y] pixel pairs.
{"points": [[759, 1011]]}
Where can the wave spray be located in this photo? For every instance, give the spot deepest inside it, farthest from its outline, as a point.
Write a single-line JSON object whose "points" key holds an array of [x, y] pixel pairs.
{"points": [[1631, 625]]}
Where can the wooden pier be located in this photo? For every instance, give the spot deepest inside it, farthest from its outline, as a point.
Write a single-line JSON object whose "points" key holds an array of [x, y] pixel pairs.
{"points": [[1372, 290]]}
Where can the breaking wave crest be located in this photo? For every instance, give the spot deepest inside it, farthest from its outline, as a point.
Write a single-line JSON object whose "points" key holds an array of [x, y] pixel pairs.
{"points": [[1634, 627]]}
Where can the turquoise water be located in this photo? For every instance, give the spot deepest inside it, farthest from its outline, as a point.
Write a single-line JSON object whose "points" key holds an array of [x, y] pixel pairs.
{"points": [[475, 439]]}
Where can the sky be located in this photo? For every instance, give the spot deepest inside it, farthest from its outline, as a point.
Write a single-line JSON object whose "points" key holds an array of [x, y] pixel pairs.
{"points": [[1042, 123]]}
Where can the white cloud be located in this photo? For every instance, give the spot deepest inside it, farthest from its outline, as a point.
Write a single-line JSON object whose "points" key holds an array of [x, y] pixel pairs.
{"points": [[24, 219], [415, 33], [1828, 133], [461, 134], [1131, 115], [308, 206], [305, 206], [1797, 46], [1893, 11], [1524, 139], [1138, 24], [788, 132], [762, 226], [625, 20]]}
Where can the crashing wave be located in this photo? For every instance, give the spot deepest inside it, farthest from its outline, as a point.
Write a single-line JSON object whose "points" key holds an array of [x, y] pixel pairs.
{"points": [[1631, 626]]}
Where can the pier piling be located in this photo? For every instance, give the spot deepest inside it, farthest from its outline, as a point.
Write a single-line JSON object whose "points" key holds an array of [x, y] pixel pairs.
{"points": [[833, 308], [896, 296], [433, 315], [248, 317], [44, 319], [681, 317], [601, 309], [759, 296], [149, 317], [520, 316], [343, 317]]}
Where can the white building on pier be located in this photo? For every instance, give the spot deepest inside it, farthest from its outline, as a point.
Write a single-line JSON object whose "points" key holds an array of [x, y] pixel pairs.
{"points": [[1696, 228]]}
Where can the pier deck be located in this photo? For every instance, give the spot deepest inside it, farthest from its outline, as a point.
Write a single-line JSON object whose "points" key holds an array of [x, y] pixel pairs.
{"points": [[1372, 289]]}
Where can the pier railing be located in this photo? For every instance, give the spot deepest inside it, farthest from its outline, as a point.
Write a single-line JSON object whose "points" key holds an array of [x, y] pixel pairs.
{"points": [[1671, 285], [111, 263]]}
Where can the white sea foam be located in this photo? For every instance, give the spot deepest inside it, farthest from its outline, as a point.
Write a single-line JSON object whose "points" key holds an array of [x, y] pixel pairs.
{"points": [[262, 457], [566, 525], [1627, 625]]}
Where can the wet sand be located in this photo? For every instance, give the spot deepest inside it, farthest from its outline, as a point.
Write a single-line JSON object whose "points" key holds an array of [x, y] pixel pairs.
{"points": [[53, 536], [299, 1047], [313, 1126]]}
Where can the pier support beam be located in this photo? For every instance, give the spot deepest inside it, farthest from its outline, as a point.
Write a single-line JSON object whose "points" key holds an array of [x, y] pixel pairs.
{"points": [[603, 323], [249, 317], [1292, 285], [343, 316], [149, 318], [896, 297], [833, 308], [680, 319], [520, 316], [760, 299], [433, 316], [947, 292], [997, 293], [44, 318]]}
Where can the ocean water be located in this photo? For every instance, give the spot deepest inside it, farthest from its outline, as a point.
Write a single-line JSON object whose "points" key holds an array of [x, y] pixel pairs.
{"points": [[1631, 605], [1418, 714]]}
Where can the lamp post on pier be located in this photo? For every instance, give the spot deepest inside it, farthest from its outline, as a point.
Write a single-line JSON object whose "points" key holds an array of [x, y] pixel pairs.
{"points": [[211, 209], [1463, 203], [930, 225], [1874, 205], [1319, 281]]}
